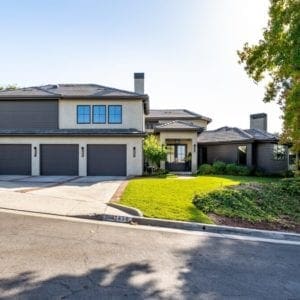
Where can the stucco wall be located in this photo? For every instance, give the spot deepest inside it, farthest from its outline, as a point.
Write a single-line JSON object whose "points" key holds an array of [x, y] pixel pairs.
{"points": [[134, 164], [132, 114], [185, 135], [265, 159]]}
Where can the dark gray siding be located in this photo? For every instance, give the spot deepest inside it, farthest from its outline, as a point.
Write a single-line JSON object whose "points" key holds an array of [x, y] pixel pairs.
{"points": [[15, 159], [29, 114], [265, 161], [227, 153], [59, 159], [106, 160]]}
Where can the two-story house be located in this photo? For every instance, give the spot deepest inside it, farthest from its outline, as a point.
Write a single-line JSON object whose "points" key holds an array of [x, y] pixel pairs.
{"points": [[73, 129], [93, 130]]}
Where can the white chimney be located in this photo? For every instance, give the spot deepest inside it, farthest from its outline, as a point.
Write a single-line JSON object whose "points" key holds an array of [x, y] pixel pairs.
{"points": [[139, 83]]}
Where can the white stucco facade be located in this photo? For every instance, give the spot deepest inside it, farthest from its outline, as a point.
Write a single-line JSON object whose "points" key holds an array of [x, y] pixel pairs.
{"points": [[132, 114]]}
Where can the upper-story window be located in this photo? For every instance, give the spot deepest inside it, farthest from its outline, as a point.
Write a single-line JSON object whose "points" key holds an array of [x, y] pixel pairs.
{"points": [[83, 114], [99, 114], [115, 114]]}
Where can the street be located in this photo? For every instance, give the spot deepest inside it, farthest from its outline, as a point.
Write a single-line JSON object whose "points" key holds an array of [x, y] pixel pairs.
{"points": [[48, 258]]}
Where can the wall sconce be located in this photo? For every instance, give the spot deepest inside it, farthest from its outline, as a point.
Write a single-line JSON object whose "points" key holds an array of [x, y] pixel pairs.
{"points": [[195, 147], [134, 151], [35, 151], [82, 151]]}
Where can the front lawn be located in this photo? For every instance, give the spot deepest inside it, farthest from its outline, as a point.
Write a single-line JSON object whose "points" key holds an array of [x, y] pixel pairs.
{"points": [[171, 198]]}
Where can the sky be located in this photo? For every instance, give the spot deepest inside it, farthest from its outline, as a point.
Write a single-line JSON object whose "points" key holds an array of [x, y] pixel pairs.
{"points": [[186, 48]]}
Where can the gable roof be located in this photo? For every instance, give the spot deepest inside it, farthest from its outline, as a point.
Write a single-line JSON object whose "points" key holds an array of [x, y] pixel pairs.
{"points": [[73, 91], [175, 114], [234, 134], [177, 125]]}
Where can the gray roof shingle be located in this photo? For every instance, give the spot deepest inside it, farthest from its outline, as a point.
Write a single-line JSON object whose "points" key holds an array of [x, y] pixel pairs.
{"points": [[234, 134], [177, 125], [175, 114]]}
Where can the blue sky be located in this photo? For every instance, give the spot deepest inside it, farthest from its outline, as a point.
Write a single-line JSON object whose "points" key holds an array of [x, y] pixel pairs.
{"points": [[187, 49]]}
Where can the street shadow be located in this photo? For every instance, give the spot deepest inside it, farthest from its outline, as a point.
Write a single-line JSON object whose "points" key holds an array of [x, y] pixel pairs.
{"points": [[102, 283]]}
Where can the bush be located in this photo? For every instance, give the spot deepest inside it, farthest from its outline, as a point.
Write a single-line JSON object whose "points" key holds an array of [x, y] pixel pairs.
{"points": [[243, 170], [231, 169], [205, 169], [218, 167]]}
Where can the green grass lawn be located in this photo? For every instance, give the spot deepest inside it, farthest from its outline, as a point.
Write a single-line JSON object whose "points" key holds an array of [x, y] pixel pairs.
{"points": [[171, 198]]}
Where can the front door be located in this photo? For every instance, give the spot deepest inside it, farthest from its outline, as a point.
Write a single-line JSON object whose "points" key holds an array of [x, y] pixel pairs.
{"points": [[177, 158]]}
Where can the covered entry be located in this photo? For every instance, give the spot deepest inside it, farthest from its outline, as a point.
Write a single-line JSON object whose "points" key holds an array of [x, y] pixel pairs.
{"points": [[15, 159], [177, 158], [106, 160], [59, 159]]}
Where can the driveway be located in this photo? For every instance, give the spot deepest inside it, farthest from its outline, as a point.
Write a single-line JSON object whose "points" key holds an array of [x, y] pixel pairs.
{"points": [[62, 195]]}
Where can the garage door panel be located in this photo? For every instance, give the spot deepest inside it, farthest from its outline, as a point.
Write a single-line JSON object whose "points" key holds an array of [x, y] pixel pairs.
{"points": [[15, 159], [106, 160], [59, 159]]}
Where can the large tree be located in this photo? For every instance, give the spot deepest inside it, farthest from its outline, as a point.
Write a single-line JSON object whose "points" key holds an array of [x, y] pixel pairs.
{"points": [[8, 87], [276, 59]]}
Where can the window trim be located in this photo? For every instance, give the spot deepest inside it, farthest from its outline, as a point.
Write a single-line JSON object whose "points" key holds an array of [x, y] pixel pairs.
{"points": [[108, 113], [83, 105], [93, 120], [283, 157]]}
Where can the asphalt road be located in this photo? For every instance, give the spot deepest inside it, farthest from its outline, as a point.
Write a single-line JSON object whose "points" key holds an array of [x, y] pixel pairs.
{"points": [[43, 258]]}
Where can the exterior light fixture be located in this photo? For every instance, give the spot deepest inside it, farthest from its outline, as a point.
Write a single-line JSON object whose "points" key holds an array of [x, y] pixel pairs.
{"points": [[194, 147], [82, 151], [134, 151], [35, 151]]}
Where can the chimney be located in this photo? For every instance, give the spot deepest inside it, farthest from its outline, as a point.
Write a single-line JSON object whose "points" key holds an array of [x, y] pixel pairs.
{"points": [[258, 121], [139, 83]]}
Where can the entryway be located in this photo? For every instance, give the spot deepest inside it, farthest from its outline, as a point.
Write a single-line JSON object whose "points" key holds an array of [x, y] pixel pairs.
{"points": [[178, 160]]}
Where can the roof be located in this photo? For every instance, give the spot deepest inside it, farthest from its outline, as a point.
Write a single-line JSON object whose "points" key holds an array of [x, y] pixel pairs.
{"points": [[73, 91], [175, 114], [234, 134], [177, 125], [72, 132]]}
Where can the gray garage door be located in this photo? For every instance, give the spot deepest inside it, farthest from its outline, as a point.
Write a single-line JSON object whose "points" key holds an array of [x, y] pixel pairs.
{"points": [[59, 159], [106, 160], [15, 159]]}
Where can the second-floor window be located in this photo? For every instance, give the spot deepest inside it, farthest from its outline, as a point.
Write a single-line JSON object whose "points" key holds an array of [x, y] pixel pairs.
{"points": [[99, 114], [83, 114], [115, 114]]}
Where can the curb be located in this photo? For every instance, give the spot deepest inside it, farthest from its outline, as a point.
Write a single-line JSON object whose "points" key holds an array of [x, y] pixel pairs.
{"points": [[191, 226], [127, 209]]}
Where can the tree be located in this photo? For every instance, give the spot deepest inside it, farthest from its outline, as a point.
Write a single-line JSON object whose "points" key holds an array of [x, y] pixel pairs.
{"points": [[153, 151], [8, 87], [276, 59]]}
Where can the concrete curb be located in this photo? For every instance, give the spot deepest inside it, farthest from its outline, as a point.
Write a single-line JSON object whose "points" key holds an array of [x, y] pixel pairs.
{"points": [[127, 209], [191, 226]]}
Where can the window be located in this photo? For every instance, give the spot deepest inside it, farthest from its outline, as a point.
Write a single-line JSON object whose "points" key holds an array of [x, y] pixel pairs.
{"points": [[99, 114], [279, 152], [181, 153], [176, 153], [115, 114], [170, 153], [83, 114], [242, 155]]}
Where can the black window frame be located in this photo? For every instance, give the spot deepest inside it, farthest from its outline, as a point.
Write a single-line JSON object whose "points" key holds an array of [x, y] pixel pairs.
{"points": [[93, 121], [83, 105], [108, 114], [242, 160], [277, 155]]}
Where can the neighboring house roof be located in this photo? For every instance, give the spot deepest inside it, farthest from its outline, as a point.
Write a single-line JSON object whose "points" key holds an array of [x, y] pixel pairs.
{"points": [[72, 91], [177, 125], [234, 134], [72, 132], [175, 114]]}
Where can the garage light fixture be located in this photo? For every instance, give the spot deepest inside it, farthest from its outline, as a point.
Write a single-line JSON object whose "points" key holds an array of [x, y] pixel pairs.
{"points": [[35, 151], [82, 151], [134, 151], [194, 147]]}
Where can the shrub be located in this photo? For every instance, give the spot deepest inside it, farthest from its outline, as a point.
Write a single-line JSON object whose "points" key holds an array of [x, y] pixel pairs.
{"points": [[243, 171], [205, 169], [218, 167], [231, 169]]}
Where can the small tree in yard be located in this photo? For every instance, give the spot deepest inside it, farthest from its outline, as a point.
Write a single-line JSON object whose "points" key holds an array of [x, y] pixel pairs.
{"points": [[153, 151]]}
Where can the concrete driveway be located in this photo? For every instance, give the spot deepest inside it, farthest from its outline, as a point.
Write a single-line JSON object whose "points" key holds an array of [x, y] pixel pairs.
{"points": [[62, 195]]}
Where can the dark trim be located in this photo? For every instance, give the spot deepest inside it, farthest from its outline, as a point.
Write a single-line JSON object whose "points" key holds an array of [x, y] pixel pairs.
{"points": [[139, 75], [121, 114], [84, 105], [93, 114], [117, 134], [249, 141], [178, 129]]}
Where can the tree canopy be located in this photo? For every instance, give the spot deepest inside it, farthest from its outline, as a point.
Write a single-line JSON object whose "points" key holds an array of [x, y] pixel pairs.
{"points": [[153, 151], [276, 59]]}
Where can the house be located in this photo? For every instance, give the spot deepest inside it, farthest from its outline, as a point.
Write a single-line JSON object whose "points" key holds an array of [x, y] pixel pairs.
{"points": [[73, 129], [93, 130]]}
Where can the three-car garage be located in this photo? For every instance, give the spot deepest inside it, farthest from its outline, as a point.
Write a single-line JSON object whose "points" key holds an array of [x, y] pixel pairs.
{"points": [[64, 159]]}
